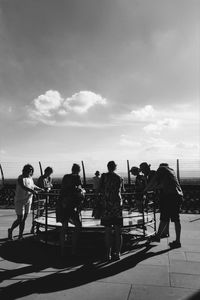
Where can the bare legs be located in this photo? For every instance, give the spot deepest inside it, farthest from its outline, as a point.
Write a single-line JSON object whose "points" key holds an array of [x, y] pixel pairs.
{"points": [[163, 227], [20, 221], [75, 236], [177, 226], [113, 241]]}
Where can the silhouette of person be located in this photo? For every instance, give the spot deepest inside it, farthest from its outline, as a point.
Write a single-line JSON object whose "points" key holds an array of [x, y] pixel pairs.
{"points": [[25, 188], [171, 197], [45, 180], [110, 186], [97, 205], [71, 195], [139, 187], [145, 168]]}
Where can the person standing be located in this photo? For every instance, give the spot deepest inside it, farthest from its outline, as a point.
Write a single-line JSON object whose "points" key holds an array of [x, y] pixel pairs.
{"points": [[111, 185], [139, 187], [45, 180], [71, 195], [171, 196], [97, 204], [25, 188], [145, 168]]}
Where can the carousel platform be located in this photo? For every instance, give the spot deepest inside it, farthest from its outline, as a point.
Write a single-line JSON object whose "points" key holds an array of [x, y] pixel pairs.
{"points": [[31, 270]]}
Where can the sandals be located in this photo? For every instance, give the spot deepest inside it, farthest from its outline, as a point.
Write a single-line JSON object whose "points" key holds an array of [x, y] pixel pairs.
{"points": [[175, 244]]}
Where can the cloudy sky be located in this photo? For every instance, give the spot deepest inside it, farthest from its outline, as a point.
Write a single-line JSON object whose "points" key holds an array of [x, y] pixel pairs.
{"points": [[96, 80]]}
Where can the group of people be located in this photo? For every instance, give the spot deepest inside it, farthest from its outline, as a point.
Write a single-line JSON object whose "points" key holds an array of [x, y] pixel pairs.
{"points": [[110, 186], [25, 189], [167, 188]]}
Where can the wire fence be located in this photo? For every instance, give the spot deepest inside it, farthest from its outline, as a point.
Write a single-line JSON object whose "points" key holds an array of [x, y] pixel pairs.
{"points": [[187, 170]]}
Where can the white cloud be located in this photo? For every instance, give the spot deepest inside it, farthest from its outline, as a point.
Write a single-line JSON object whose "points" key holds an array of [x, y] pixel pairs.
{"points": [[52, 109], [144, 113], [81, 102], [47, 103], [158, 126]]}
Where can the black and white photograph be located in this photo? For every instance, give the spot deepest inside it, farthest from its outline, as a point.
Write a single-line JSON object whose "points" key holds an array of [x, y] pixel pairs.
{"points": [[100, 149]]}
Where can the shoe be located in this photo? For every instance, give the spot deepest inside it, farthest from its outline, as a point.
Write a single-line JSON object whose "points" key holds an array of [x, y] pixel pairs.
{"points": [[175, 244], [155, 238], [20, 237], [10, 234]]}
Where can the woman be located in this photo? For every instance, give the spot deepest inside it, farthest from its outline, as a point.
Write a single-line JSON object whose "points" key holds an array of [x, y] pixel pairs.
{"points": [[110, 186], [25, 189]]}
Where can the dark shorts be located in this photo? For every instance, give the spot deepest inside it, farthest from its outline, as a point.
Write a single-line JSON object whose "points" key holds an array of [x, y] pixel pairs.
{"points": [[170, 208], [69, 214], [112, 221]]}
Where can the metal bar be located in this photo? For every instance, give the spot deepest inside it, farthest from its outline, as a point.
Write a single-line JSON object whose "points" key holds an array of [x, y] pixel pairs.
{"points": [[84, 177], [178, 170], [128, 170], [2, 175], [46, 218], [41, 171]]}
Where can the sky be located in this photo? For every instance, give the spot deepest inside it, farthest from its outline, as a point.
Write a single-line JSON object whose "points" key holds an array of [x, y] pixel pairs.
{"points": [[99, 80]]}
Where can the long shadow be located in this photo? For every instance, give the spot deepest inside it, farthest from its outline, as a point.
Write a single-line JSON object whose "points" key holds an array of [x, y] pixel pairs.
{"points": [[70, 272]]}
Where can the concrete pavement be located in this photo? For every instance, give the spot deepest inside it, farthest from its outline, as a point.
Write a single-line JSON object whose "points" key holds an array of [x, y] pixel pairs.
{"points": [[31, 270]]}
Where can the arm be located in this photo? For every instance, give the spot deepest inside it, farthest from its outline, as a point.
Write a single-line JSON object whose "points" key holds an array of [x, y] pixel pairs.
{"points": [[152, 184], [38, 188]]}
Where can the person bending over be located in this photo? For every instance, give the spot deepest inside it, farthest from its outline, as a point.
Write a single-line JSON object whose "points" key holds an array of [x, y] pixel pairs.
{"points": [[71, 196], [171, 197]]}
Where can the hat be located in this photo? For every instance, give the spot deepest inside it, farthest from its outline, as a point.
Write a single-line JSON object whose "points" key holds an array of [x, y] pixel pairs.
{"points": [[164, 165]]}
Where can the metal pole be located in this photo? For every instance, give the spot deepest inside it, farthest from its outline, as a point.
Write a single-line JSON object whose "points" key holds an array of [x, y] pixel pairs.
{"points": [[41, 171], [178, 170], [128, 170], [46, 218], [84, 177], [2, 175]]}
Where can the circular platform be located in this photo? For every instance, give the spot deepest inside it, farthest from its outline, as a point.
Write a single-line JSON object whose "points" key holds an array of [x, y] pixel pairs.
{"points": [[130, 219]]}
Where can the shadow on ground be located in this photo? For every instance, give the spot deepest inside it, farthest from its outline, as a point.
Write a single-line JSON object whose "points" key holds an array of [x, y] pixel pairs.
{"points": [[66, 273]]}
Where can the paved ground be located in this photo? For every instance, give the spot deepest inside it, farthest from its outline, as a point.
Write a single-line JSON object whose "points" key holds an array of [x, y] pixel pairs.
{"points": [[31, 270]]}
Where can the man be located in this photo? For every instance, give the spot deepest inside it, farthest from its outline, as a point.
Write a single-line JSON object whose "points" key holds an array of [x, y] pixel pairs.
{"points": [[45, 181], [170, 199], [71, 195], [145, 168]]}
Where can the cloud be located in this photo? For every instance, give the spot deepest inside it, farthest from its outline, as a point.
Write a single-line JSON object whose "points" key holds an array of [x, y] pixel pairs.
{"points": [[144, 113], [52, 109], [158, 126], [81, 102], [47, 103], [126, 140]]}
